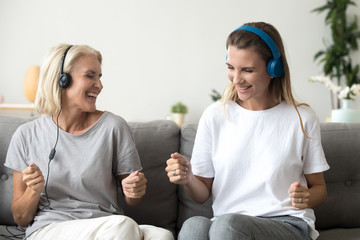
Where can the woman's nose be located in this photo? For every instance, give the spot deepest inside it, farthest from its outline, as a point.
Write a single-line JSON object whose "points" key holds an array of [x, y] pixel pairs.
{"points": [[237, 78], [98, 84]]}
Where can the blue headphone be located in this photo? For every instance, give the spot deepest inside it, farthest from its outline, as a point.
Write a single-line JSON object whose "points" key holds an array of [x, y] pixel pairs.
{"points": [[275, 66]]}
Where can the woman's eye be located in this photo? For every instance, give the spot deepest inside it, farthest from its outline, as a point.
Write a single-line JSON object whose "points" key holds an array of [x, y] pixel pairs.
{"points": [[90, 76], [230, 67]]}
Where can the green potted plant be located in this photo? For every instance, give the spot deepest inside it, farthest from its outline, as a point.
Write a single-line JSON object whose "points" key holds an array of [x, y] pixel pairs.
{"points": [[215, 95], [179, 110], [340, 75]]}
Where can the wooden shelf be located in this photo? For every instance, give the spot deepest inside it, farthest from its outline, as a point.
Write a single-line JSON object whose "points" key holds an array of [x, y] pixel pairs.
{"points": [[20, 107], [18, 110]]}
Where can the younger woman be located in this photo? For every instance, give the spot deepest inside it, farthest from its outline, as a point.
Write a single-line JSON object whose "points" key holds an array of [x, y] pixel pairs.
{"points": [[257, 152]]}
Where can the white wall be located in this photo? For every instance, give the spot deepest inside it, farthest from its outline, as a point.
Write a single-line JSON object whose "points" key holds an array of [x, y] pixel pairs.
{"points": [[158, 52]]}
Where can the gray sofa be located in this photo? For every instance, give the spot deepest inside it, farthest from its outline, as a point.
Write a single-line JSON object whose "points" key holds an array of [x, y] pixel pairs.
{"points": [[168, 206]]}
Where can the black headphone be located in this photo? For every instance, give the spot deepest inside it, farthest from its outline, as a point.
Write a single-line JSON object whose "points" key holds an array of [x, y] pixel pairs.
{"points": [[65, 78], [64, 82]]}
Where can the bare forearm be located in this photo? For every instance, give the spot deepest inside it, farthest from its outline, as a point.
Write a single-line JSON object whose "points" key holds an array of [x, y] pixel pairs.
{"points": [[24, 208], [179, 171], [197, 190], [318, 195], [133, 201]]}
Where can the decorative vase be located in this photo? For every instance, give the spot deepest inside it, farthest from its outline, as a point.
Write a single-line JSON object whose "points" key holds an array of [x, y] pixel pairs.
{"points": [[31, 82], [179, 118], [347, 113]]}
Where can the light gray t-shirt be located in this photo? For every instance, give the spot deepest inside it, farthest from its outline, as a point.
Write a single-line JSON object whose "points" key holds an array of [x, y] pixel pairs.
{"points": [[82, 180]]}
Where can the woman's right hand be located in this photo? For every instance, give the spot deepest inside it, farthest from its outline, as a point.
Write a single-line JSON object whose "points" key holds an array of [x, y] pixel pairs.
{"points": [[33, 178], [28, 186], [179, 169]]}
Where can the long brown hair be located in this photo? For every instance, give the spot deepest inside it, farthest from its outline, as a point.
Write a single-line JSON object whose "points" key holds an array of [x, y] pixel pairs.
{"points": [[280, 88]]}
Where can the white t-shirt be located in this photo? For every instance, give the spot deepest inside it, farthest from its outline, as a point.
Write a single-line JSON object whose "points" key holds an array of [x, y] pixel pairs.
{"points": [[254, 157], [83, 174]]}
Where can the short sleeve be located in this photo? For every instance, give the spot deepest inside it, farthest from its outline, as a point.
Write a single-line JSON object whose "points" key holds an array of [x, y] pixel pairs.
{"points": [[201, 160], [314, 157], [126, 155], [16, 157]]}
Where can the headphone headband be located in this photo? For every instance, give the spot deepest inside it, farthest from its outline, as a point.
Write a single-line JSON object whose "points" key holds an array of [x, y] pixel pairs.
{"points": [[63, 60], [265, 37]]}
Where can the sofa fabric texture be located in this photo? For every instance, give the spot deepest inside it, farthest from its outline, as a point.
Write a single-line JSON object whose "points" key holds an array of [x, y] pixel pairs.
{"points": [[167, 205]]}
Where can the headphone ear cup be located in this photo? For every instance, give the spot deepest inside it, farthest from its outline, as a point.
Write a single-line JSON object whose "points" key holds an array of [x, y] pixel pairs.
{"points": [[275, 67], [65, 80]]}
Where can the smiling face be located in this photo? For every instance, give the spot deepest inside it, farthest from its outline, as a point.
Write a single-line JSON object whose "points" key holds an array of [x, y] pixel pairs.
{"points": [[85, 85], [247, 71]]}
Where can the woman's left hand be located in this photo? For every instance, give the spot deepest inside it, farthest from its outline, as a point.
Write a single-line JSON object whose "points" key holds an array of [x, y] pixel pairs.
{"points": [[134, 185], [300, 195]]}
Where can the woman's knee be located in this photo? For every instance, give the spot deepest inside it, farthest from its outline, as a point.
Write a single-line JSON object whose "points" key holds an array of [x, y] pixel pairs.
{"points": [[230, 224], [195, 228], [156, 233], [121, 226]]}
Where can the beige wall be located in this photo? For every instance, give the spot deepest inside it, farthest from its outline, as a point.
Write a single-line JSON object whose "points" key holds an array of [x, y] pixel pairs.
{"points": [[157, 52]]}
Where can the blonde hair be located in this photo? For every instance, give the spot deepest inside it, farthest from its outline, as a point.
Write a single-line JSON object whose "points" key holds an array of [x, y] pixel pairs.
{"points": [[48, 94], [280, 88]]}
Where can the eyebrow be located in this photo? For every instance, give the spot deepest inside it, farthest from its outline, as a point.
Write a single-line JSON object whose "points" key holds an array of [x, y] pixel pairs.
{"points": [[241, 68], [93, 72]]}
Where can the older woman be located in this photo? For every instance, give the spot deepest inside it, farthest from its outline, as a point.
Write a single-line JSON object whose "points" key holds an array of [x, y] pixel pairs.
{"points": [[68, 163]]}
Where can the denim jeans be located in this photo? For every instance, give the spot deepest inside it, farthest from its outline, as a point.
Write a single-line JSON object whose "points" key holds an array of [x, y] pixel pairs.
{"points": [[238, 226]]}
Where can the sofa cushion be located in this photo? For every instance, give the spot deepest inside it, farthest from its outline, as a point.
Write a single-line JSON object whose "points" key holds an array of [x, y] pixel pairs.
{"points": [[187, 207], [155, 141], [341, 145], [340, 233], [8, 125]]}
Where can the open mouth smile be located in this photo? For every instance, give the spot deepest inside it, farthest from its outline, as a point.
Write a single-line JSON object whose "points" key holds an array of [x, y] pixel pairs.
{"points": [[93, 95], [240, 89]]}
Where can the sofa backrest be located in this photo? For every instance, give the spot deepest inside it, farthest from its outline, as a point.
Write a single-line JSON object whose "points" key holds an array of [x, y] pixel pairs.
{"points": [[8, 125], [155, 141], [341, 143], [187, 207]]}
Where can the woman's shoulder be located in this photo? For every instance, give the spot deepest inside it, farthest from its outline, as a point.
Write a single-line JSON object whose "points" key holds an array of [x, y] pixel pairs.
{"points": [[32, 126], [35, 122], [112, 120], [213, 107], [219, 108], [110, 116], [308, 116], [307, 112], [213, 111], [218, 113]]}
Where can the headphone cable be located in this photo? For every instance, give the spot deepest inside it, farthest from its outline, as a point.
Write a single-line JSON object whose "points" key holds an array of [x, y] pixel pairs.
{"points": [[52, 153]]}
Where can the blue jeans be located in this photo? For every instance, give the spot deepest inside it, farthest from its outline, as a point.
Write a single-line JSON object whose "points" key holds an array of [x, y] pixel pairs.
{"points": [[238, 226]]}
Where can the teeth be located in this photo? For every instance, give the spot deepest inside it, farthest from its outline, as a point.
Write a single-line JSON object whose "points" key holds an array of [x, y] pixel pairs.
{"points": [[92, 95], [244, 88]]}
